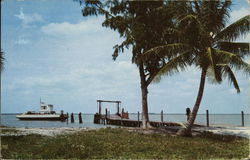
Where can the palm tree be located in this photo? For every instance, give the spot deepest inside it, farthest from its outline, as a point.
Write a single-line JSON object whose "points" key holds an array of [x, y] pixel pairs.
{"points": [[141, 25], [207, 44]]}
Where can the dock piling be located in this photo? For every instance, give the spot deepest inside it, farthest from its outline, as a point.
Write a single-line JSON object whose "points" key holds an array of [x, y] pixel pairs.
{"points": [[242, 119], [106, 116], [122, 116], [67, 117], [122, 111], [80, 117], [207, 115], [138, 116], [161, 117]]}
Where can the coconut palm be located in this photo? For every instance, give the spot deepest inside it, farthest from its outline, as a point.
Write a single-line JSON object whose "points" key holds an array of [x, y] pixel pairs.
{"points": [[141, 24], [207, 44]]}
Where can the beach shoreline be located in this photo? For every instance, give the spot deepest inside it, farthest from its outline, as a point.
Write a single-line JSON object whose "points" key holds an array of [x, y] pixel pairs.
{"points": [[216, 129]]}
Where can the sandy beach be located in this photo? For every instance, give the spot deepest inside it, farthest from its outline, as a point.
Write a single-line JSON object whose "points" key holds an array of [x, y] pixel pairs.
{"points": [[224, 130], [227, 130], [42, 131]]}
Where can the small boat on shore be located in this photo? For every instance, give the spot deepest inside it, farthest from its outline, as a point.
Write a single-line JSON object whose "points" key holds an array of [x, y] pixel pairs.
{"points": [[46, 113]]}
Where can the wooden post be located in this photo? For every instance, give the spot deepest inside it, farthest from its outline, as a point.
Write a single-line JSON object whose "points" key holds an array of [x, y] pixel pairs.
{"points": [[106, 115], [80, 117], [242, 118], [121, 121], [72, 118], [138, 115], [161, 116], [161, 124], [118, 107], [122, 111], [207, 118], [100, 108], [122, 117], [67, 117]]}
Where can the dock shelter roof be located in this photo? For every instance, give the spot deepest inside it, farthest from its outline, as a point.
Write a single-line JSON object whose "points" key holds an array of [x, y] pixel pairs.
{"points": [[99, 104], [109, 101]]}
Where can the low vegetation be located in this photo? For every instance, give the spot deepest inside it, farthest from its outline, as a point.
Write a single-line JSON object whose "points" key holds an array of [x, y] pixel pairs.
{"points": [[8, 130], [120, 144]]}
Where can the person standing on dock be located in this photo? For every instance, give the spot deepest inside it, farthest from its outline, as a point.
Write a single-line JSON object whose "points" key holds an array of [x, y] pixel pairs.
{"points": [[188, 111], [72, 118]]}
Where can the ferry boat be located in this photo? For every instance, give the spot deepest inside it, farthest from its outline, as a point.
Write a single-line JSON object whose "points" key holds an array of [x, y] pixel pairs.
{"points": [[46, 113]]}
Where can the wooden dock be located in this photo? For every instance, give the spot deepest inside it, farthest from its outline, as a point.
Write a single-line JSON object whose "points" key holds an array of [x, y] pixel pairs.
{"points": [[118, 121], [122, 118]]}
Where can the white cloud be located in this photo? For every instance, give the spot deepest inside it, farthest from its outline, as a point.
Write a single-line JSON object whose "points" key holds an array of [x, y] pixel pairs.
{"points": [[88, 26], [28, 19], [77, 64], [21, 41]]}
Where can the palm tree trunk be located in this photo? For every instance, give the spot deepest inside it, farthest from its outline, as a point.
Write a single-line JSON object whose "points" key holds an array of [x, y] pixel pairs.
{"points": [[187, 130], [144, 92], [145, 117]]}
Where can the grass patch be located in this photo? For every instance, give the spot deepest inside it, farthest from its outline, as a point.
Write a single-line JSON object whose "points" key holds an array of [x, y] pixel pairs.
{"points": [[5, 129], [121, 144]]}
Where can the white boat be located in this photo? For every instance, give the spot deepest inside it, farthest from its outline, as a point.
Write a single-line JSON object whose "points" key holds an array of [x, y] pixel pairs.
{"points": [[46, 113]]}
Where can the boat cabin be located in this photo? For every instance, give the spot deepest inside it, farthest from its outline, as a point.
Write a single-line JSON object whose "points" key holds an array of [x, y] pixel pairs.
{"points": [[46, 108]]}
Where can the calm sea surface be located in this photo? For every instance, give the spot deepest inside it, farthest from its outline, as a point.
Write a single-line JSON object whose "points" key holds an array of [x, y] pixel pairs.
{"points": [[217, 119]]}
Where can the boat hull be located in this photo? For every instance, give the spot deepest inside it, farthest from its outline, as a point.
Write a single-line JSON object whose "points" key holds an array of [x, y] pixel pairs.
{"points": [[56, 117]]}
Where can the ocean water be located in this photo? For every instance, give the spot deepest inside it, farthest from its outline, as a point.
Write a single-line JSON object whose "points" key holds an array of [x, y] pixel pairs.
{"points": [[214, 119]]}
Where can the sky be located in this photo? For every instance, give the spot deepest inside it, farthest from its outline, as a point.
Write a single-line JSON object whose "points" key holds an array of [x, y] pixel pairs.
{"points": [[54, 53]]}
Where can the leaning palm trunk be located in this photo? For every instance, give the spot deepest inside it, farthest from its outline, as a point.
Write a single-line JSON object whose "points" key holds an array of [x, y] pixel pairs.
{"points": [[145, 117], [144, 92], [187, 130]]}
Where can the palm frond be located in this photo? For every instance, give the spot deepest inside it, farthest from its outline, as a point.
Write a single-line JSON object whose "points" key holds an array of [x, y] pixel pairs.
{"points": [[213, 62], [188, 18], [230, 75], [225, 53], [241, 49], [225, 10], [225, 56], [238, 64], [174, 65], [214, 15], [234, 61], [168, 50], [235, 30]]}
